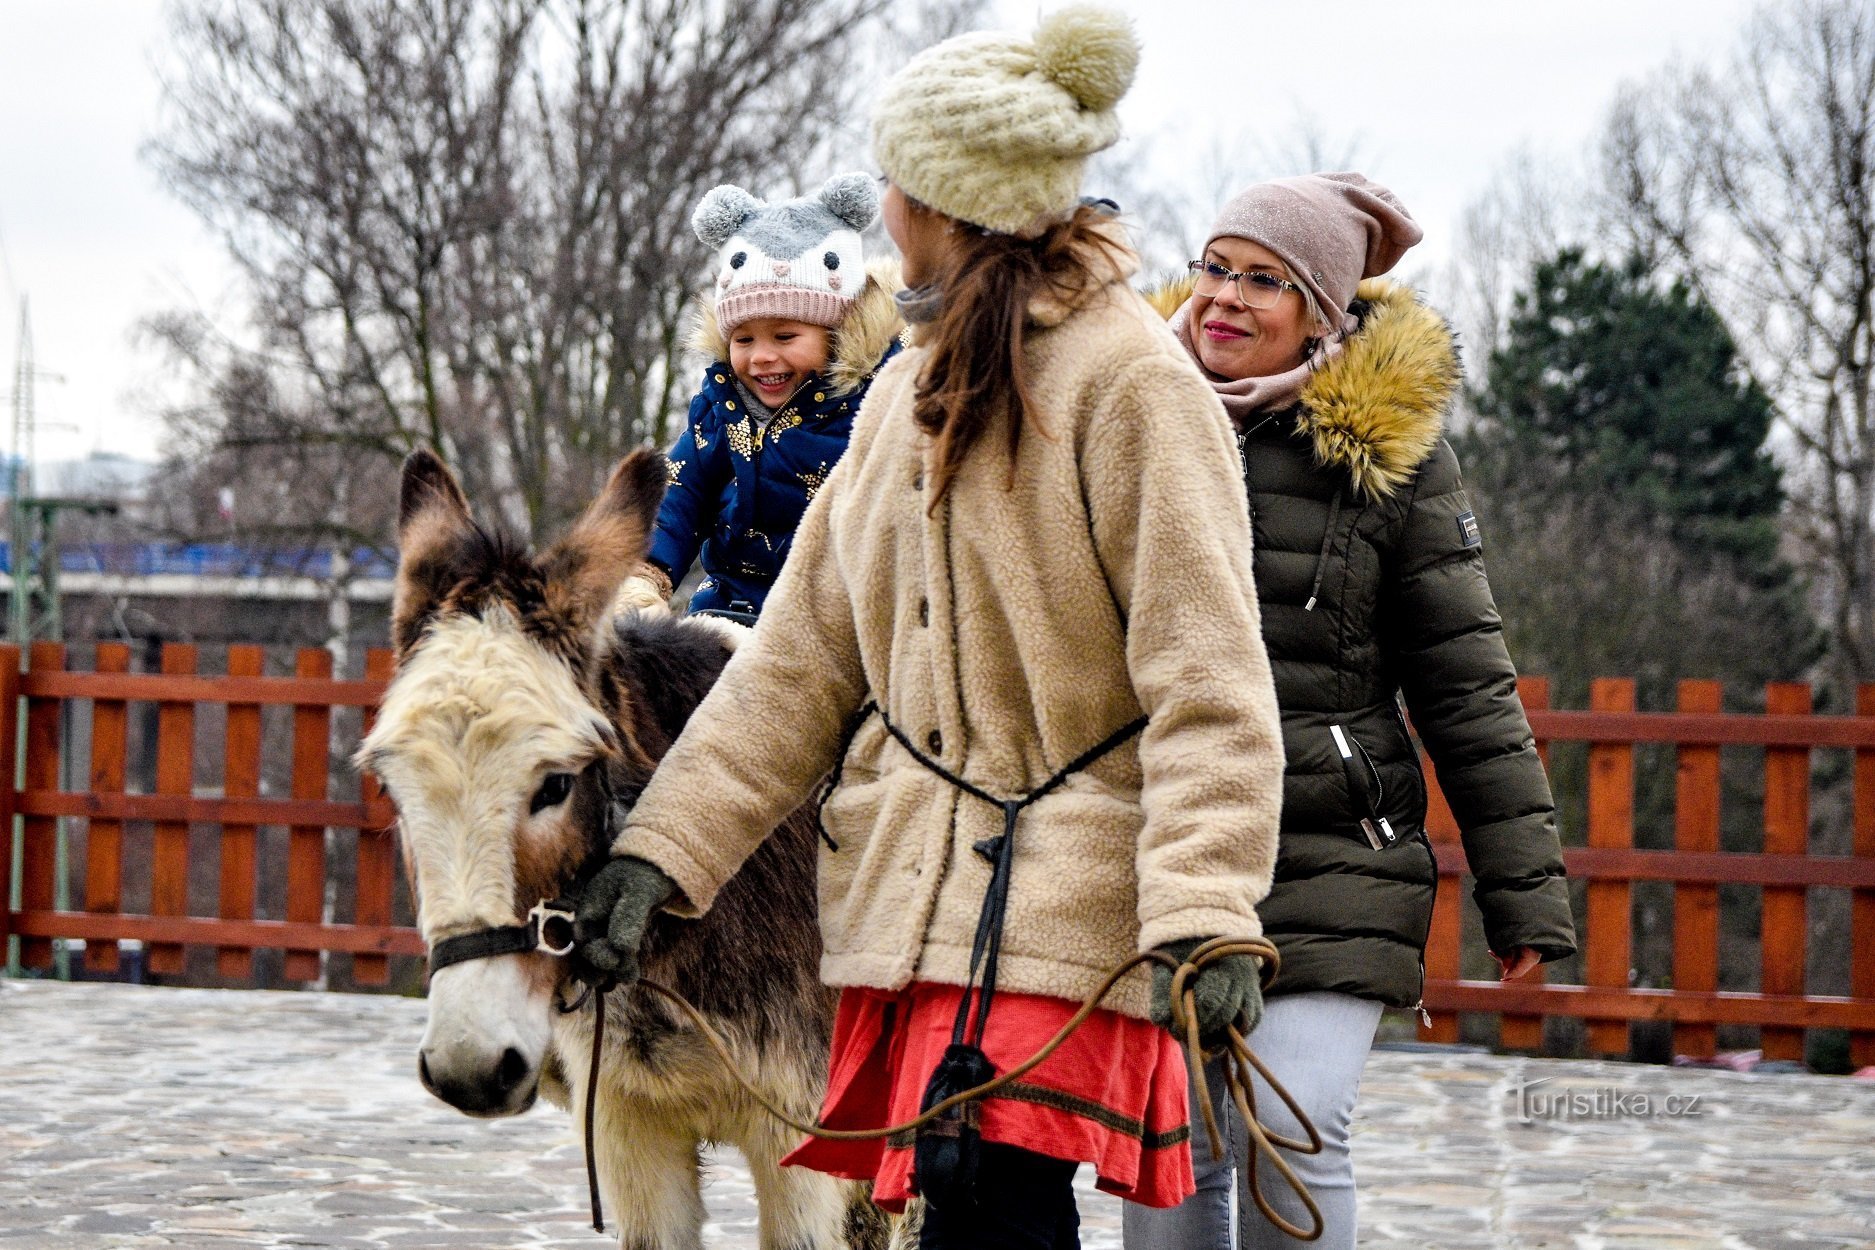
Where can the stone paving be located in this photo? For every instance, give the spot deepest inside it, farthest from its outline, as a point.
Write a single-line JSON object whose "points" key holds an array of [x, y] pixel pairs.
{"points": [[137, 1117]]}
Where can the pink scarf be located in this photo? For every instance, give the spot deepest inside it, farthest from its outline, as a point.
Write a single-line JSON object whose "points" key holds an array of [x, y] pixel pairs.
{"points": [[1244, 397]]}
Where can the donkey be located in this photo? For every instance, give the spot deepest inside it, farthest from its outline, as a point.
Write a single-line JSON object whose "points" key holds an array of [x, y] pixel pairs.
{"points": [[522, 711]]}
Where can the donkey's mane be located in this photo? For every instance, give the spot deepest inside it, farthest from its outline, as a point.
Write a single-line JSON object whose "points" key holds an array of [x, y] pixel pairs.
{"points": [[663, 667]]}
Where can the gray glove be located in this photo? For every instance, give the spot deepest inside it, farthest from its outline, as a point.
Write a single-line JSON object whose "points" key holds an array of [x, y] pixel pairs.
{"points": [[614, 910], [1230, 989]]}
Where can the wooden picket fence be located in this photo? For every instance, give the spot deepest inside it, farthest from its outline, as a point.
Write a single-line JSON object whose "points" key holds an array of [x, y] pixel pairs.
{"points": [[235, 811], [1784, 871], [48, 694]]}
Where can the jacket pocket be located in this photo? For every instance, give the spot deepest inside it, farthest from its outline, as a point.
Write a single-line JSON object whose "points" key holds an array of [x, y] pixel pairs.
{"points": [[1365, 790]]}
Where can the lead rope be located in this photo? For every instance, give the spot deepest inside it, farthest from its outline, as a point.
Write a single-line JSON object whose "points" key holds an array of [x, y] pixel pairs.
{"points": [[1240, 1059], [1240, 1062]]}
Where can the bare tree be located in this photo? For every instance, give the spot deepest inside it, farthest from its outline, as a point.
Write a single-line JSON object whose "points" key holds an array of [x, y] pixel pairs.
{"points": [[1171, 191], [463, 224], [1531, 209], [1757, 182]]}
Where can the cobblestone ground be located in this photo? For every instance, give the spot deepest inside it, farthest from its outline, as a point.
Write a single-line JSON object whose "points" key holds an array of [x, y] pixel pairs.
{"points": [[133, 1117]]}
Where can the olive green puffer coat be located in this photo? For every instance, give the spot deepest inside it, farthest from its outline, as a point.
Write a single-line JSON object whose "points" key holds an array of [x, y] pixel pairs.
{"points": [[1370, 573]]}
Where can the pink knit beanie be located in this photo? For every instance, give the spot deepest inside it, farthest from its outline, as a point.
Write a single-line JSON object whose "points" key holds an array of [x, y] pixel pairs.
{"points": [[1332, 230]]}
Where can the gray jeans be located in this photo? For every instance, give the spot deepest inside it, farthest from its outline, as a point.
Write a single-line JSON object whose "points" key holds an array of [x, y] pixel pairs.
{"points": [[1316, 1044]]}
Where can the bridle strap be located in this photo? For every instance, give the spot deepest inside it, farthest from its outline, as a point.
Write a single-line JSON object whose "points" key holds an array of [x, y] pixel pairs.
{"points": [[548, 929]]}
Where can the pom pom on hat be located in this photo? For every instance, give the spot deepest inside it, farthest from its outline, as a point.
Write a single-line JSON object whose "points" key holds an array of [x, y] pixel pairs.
{"points": [[995, 129], [1090, 52], [853, 198], [721, 212]]}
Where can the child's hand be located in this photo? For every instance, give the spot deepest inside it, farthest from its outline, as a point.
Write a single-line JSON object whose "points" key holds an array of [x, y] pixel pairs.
{"points": [[647, 591]]}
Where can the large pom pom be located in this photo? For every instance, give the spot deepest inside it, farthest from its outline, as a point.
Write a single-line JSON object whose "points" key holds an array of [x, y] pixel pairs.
{"points": [[1090, 51], [721, 213], [853, 198]]}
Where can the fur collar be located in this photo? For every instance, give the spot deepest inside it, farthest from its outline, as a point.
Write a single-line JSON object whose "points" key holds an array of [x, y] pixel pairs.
{"points": [[859, 340], [1378, 409]]}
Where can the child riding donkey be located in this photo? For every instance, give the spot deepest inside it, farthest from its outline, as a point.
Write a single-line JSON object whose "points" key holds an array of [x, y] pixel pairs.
{"points": [[795, 330]]}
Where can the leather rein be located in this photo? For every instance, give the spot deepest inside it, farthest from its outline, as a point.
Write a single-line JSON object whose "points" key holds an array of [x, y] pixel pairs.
{"points": [[550, 929]]}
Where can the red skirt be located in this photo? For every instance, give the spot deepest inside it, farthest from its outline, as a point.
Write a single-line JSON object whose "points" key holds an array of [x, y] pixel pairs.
{"points": [[1114, 1095]]}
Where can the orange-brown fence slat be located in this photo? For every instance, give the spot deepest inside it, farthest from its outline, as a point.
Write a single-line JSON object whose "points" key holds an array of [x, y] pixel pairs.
{"points": [[306, 844], [104, 839], [1784, 933], [203, 931], [1814, 1011], [39, 853], [1721, 729], [1696, 904], [9, 791], [1862, 901], [1525, 1032], [1842, 872], [377, 857], [1444, 940], [1611, 826], [175, 775], [186, 809], [240, 780], [190, 688]]}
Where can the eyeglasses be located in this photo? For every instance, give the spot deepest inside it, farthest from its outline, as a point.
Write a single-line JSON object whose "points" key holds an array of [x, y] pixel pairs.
{"points": [[1255, 288]]}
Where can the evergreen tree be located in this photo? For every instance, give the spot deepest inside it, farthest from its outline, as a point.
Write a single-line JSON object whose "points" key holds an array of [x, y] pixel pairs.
{"points": [[1631, 510], [1620, 387]]}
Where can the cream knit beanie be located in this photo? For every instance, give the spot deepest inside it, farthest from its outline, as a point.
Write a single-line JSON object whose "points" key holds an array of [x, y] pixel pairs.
{"points": [[994, 129]]}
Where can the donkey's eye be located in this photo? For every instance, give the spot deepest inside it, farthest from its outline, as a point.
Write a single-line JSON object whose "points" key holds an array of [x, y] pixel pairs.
{"points": [[552, 792]]}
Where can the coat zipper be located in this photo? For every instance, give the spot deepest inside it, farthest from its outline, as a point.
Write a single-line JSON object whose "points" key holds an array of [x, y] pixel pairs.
{"points": [[1378, 829]]}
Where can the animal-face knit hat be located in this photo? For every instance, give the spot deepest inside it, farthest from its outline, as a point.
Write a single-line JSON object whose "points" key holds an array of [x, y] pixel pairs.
{"points": [[994, 129], [799, 259], [1332, 230]]}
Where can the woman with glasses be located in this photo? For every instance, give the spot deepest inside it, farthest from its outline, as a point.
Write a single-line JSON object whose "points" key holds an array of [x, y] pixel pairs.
{"points": [[1370, 575]]}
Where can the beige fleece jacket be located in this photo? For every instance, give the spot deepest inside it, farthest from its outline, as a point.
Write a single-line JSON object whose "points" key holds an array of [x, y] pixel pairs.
{"points": [[1006, 634]]}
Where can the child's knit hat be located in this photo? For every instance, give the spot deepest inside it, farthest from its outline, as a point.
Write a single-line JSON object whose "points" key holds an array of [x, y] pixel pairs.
{"points": [[994, 129], [798, 259]]}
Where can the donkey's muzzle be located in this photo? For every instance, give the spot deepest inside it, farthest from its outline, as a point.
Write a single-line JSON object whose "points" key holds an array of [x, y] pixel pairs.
{"points": [[504, 1084]]}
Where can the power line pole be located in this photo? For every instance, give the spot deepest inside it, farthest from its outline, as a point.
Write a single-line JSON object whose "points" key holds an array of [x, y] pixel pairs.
{"points": [[33, 600]]}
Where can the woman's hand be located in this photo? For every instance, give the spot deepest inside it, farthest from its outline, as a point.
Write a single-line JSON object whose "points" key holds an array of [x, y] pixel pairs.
{"points": [[614, 910], [1516, 964], [1227, 992]]}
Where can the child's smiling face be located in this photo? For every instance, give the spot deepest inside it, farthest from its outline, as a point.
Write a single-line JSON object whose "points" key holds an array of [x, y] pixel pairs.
{"points": [[772, 356]]}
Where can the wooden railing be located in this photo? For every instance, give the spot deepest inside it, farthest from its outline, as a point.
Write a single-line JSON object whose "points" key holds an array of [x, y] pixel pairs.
{"points": [[227, 807], [181, 799], [1784, 871]]}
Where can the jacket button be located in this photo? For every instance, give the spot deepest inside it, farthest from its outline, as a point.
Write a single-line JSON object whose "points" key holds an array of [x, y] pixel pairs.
{"points": [[935, 742], [924, 611], [917, 483]]}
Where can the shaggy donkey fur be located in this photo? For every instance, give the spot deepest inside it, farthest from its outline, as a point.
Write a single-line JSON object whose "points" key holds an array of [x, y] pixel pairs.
{"points": [[515, 686]]}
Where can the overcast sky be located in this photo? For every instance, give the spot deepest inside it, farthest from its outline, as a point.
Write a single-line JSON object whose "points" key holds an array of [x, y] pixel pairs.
{"points": [[1433, 96]]}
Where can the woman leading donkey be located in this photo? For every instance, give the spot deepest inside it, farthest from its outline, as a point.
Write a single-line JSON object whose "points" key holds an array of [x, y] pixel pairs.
{"points": [[990, 633]]}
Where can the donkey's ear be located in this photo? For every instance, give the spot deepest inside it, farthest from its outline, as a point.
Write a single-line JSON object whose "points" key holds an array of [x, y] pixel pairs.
{"points": [[608, 542], [428, 486], [432, 518]]}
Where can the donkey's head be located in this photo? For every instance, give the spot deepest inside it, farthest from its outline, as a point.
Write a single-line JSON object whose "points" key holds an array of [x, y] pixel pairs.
{"points": [[495, 749]]}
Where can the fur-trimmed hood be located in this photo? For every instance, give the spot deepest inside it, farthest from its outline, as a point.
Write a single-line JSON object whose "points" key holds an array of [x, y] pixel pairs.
{"points": [[861, 338], [1376, 410]]}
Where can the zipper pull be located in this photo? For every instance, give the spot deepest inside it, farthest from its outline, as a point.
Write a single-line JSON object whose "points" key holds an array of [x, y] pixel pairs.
{"points": [[1425, 1017]]}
